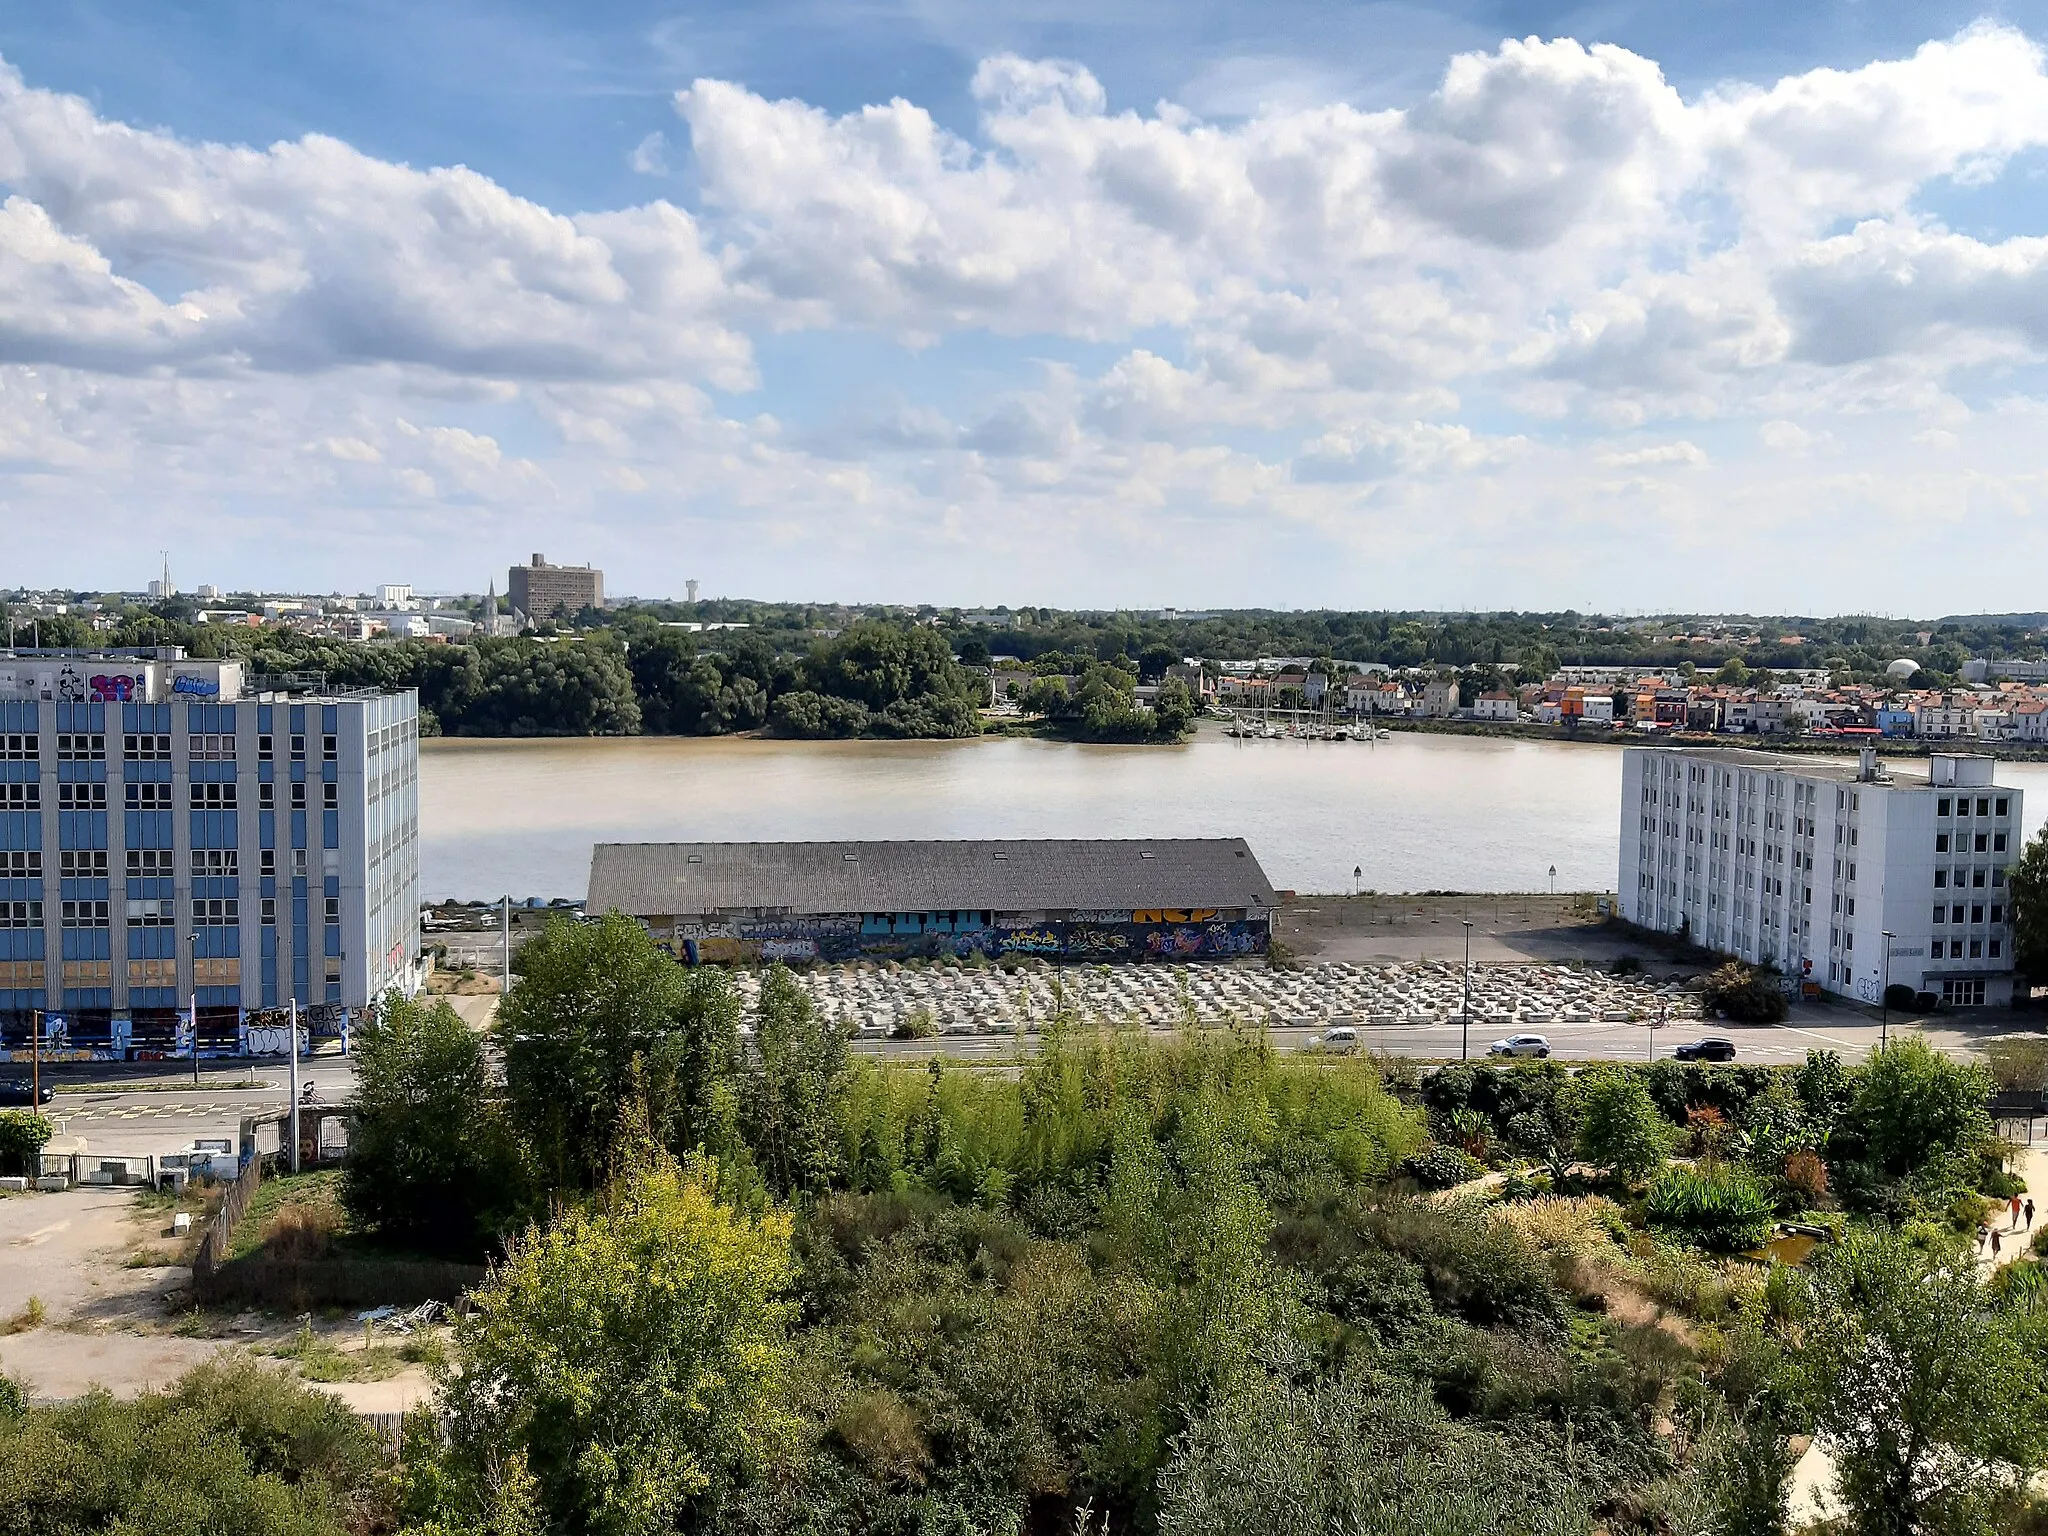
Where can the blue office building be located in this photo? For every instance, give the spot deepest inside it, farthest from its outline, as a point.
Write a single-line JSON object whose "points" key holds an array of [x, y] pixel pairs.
{"points": [[175, 834]]}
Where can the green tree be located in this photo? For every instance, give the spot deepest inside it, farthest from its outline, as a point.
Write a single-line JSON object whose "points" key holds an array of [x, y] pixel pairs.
{"points": [[23, 1135], [432, 1161], [1734, 673], [1915, 1107], [1619, 1126], [2028, 884], [633, 1354], [1921, 1387], [602, 1016], [790, 1088], [1174, 710]]}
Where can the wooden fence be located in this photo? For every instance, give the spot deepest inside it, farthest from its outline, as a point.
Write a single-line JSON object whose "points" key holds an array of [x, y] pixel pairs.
{"points": [[212, 1251]]}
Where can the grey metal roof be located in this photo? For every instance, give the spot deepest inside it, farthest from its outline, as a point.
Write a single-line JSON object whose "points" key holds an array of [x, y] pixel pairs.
{"points": [[1063, 874]]}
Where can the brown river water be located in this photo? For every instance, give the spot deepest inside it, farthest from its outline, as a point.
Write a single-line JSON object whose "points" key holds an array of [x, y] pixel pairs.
{"points": [[1417, 812]]}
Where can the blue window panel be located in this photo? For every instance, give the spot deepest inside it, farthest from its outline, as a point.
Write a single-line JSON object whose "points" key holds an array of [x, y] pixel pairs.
{"points": [[330, 885], [333, 947], [298, 719], [270, 983], [298, 829], [21, 829], [18, 715], [263, 717], [330, 773], [22, 999], [218, 997], [298, 772], [334, 992], [330, 829], [330, 718], [299, 912], [87, 943], [21, 943], [266, 829], [269, 943], [89, 997], [23, 773], [152, 997]]}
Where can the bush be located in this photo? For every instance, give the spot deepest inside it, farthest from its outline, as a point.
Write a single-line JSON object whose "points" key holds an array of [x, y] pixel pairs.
{"points": [[1722, 1207], [1744, 995], [23, 1135], [1437, 1166], [1899, 997], [1807, 1175]]}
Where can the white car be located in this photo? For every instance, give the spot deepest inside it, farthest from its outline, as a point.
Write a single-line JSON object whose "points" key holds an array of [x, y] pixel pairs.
{"points": [[1520, 1045], [1343, 1040]]}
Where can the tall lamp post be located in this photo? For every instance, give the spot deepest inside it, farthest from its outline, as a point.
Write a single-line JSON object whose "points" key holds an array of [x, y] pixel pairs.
{"points": [[1465, 1040], [1883, 998], [192, 1000]]}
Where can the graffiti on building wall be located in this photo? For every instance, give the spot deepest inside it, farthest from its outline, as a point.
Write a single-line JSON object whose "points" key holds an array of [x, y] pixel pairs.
{"points": [[272, 1040], [112, 688], [1197, 934], [1103, 943], [1174, 915]]}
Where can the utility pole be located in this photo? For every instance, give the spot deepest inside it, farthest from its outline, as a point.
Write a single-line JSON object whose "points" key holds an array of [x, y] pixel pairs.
{"points": [[192, 1002], [505, 981], [295, 1086], [35, 1060], [1883, 1000], [1465, 1042]]}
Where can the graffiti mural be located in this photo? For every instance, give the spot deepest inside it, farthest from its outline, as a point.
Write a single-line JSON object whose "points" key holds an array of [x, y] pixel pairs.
{"points": [[112, 688], [1096, 937], [273, 1040], [1173, 915]]}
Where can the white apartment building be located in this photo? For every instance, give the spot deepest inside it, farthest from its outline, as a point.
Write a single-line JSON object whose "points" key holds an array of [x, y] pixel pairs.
{"points": [[1806, 863]]}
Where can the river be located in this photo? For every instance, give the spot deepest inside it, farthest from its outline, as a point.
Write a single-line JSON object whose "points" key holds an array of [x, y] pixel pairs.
{"points": [[1417, 812]]}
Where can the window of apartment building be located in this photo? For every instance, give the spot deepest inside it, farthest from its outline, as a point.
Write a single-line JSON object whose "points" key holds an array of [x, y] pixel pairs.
{"points": [[149, 797], [213, 797], [1997, 842], [154, 912], [1977, 878], [266, 861], [1940, 878], [82, 863], [215, 863], [264, 747], [81, 749], [1941, 914], [1983, 806], [21, 864], [332, 909], [82, 797], [1983, 843], [146, 749], [298, 797], [1998, 877], [298, 863], [2004, 807], [149, 863], [20, 748], [1852, 906], [1941, 842], [1958, 911], [1994, 949], [215, 912], [85, 914], [266, 796], [1976, 949], [269, 911], [329, 748], [1997, 913], [21, 914], [1976, 914], [298, 747], [211, 749], [333, 969], [1942, 806]]}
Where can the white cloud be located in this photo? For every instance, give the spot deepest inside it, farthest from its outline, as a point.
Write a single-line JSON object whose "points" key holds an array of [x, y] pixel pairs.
{"points": [[1372, 330]]}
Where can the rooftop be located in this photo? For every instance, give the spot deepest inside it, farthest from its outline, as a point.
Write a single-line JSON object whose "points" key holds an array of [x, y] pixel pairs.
{"points": [[1906, 773], [1065, 874]]}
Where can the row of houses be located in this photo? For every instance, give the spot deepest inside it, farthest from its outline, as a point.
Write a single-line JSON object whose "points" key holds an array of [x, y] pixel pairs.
{"points": [[1991, 713]]}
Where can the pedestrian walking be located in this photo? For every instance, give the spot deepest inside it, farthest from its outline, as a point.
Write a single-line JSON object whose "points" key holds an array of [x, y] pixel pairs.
{"points": [[2030, 1213], [2015, 1203], [1994, 1247], [1982, 1233]]}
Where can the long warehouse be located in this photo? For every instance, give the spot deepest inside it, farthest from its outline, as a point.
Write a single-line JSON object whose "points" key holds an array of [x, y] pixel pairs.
{"points": [[1073, 898]]}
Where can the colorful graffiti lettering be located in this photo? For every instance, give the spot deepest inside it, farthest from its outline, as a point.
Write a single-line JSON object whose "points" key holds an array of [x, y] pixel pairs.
{"points": [[1031, 941], [272, 1039], [111, 688], [1099, 917], [1096, 941], [1173, 915], [199, 687]]}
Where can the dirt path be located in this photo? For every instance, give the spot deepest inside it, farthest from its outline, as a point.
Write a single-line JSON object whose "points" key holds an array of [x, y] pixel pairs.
{"points": [[105, 1324]]}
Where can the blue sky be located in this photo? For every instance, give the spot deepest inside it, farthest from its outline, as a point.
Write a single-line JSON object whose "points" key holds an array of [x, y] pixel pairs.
{"points": [[1727, 306]]}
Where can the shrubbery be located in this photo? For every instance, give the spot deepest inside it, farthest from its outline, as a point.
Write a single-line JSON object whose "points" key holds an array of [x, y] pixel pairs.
{"points": [[1744, 995], [1720, 1206]]}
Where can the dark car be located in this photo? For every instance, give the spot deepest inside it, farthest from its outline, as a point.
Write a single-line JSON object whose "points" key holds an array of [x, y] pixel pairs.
{"points": [[1710, 1048], [16, 1090]]}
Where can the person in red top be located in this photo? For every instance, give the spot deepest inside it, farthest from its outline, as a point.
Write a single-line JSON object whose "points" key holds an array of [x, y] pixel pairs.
{"points": [[2015, 1203]]}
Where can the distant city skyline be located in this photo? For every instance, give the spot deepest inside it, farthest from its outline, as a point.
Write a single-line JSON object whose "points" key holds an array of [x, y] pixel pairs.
{"points": [[1445, 306]]}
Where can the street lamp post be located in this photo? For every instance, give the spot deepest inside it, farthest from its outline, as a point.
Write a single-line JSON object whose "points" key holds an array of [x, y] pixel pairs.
{"points": [[1465, 1039], [1884, 988], [192, 1001]]}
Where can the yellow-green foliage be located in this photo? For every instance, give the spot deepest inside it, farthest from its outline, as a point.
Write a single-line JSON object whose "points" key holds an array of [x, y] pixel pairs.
{"points": [[980, 1137]]}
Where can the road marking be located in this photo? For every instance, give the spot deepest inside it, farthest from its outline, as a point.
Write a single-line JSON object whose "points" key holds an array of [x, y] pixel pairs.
{"points": [[1847, 1045]]}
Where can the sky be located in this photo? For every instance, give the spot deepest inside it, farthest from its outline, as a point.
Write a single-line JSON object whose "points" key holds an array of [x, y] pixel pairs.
{"points": [[1624, 307]]}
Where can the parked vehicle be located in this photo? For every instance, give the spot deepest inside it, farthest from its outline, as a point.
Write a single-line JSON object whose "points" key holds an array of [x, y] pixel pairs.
{"points": [[17, 1090], [1706, 1048], [1342, 1040], [1520, 1045]]}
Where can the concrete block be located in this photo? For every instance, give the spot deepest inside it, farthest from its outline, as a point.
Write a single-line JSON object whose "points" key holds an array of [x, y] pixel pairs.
{"points": [[13, 1182], [52, 1182]]}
